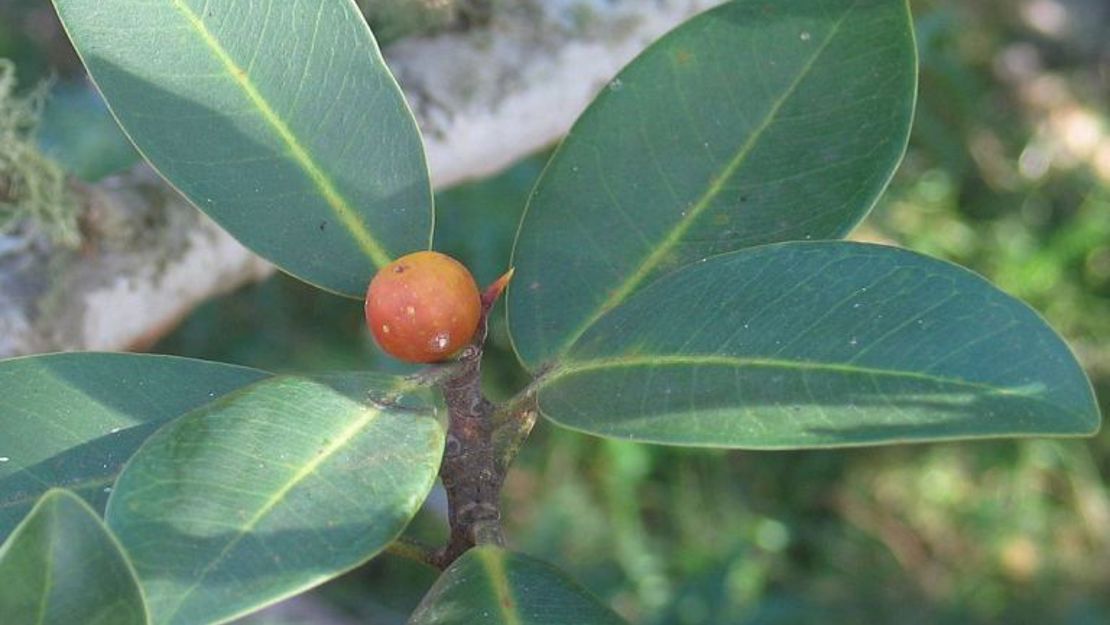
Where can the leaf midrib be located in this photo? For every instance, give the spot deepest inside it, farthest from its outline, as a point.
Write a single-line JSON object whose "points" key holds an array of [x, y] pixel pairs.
{"points": [[48, 564], [674, 237], [339, 205], [571, 368], [303, 473], [494, 565]]}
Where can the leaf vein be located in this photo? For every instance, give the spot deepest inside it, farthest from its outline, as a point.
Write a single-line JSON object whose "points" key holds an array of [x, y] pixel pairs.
{"points": [[718, 184], [339, 205]]}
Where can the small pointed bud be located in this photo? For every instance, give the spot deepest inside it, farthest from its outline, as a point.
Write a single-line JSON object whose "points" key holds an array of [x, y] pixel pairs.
{"points": [[495, 290]]}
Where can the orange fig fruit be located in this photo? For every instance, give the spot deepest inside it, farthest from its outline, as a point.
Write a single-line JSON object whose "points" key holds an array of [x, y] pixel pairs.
{"points": [[423, 307]]}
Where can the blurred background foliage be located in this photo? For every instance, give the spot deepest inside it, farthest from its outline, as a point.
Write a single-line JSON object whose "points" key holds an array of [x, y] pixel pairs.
{"points": [[1008, 173]]}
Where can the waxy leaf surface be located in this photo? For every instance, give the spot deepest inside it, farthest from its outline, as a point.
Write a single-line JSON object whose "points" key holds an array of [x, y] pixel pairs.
{"points": [[753, 123], [277, 118], [492, 586], [820, 344], [61, 566], [272, 490], [73, 420]]}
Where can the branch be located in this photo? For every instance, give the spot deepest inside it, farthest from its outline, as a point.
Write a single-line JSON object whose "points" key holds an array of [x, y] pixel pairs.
{"points": [[147, 258], [489, 96], [470, 472], [485, 96]]}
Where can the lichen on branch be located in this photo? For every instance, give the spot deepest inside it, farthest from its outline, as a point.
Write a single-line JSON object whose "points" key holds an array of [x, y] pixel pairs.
{"points": [[33, 188]]}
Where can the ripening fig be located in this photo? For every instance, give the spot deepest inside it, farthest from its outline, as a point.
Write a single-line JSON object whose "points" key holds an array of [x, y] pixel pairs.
{"points": [[423, 307]]}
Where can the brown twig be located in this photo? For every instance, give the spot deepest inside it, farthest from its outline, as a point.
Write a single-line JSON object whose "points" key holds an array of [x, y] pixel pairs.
{"points": [[470, 472]]}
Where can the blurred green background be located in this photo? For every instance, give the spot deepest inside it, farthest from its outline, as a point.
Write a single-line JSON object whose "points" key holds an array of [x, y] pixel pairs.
{"points": [[1008, 173]]}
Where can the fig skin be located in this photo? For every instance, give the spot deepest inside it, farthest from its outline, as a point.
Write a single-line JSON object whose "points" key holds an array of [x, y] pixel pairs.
{"points": [[423, 307]]}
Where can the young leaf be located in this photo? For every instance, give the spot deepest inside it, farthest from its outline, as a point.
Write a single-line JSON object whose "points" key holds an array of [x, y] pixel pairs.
{"points": [[753, 123], [61, 566], [72, 420], [815, 345], [279, 119], [270, 491], [492, 586]]}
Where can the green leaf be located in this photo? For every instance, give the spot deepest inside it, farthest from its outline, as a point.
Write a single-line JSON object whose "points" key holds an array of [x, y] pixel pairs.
{"points": [[272, 490], [756, 122], [491, 586], [72, 420], [61, 566], [820, 344], [279, 119]]}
